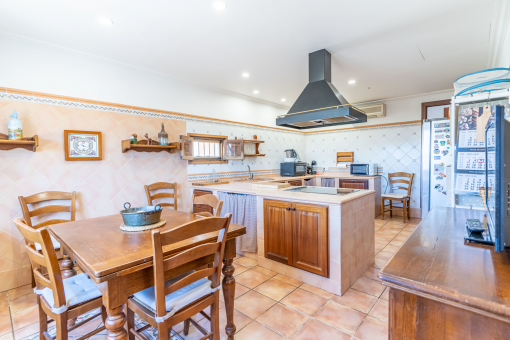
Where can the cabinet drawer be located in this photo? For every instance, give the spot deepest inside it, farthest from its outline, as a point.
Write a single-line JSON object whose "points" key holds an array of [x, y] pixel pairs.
{"points": [[353, 183]]}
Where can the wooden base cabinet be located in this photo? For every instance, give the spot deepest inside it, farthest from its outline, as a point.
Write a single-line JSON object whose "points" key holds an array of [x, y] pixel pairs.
{"points": [[296, 234], [353, 183]]}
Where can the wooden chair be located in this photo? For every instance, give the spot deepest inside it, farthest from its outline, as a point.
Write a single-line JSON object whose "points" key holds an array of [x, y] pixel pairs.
{"points": [[169, 303], [28, 214], [61, 299], [158, 186], [206, 202], [396, 180]]}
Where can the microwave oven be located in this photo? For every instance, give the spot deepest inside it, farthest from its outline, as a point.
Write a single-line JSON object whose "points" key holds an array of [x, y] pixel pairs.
{"points": [[291, 169], [364, 169]]}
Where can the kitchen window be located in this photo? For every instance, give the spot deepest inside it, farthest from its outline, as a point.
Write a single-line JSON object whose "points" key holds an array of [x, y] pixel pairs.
{"points": [[203, 149]]}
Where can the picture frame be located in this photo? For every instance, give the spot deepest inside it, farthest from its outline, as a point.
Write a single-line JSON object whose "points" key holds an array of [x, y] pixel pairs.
{"points": [[83, 145]]}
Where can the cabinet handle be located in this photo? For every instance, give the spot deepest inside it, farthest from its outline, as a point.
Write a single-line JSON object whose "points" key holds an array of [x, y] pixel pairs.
{"points": [[288, 208]]}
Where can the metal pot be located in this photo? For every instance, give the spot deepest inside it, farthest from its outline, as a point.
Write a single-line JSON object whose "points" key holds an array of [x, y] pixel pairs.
{"points": [[141, 216]]}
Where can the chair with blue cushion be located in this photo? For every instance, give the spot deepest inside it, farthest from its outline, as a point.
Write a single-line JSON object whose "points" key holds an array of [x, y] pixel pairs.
{"points": [[171, 302], [61, 299]]}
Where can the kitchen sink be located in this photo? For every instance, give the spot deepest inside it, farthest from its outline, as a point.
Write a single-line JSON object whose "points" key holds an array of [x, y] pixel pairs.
{"points": [[324, 190], [254, 180]]}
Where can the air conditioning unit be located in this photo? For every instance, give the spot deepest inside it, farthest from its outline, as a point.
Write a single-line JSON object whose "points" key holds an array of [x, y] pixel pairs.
{"points": [[374, 111]]}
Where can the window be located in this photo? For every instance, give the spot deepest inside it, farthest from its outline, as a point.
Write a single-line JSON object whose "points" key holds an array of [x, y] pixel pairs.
{"points": [[203, 149]]}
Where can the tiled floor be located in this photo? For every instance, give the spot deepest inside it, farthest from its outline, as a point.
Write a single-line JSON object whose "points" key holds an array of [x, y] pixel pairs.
{"points": [[268, 305]]}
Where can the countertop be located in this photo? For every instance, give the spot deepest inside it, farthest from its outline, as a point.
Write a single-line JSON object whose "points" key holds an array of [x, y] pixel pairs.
{"points": [[247, 188], [328, 175], [436, 263]]}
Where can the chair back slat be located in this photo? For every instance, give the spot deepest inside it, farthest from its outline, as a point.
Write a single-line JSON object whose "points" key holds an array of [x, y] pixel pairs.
{"points": [[185, 232], [401, 178], [48, 209], [189, 279], [47, 223], [47, 259], [160, 195], [209, 200]]}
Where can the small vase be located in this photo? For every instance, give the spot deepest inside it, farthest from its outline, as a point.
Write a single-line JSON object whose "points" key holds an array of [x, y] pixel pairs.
{"points": [[163, 136], [134, 141]]}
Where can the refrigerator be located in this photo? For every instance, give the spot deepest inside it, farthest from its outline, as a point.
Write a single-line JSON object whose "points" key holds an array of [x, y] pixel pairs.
{"points": [[437, 161]]}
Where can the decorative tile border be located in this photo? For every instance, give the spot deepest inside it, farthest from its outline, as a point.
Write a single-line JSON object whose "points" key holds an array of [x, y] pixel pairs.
{"points": [[365, 129]]}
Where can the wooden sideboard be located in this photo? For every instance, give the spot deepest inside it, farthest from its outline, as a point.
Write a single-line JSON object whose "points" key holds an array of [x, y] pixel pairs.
{"points": [[444, 288]]}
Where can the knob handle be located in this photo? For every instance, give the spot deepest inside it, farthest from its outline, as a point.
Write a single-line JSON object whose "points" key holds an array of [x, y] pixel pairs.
{"points": [[288, 208]]}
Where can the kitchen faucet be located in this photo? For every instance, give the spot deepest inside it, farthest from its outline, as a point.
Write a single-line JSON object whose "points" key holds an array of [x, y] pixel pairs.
{"points": [[250, 175]]}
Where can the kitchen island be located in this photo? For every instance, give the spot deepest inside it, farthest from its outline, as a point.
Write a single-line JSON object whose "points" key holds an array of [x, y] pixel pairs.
{"points": [[325, 240]]}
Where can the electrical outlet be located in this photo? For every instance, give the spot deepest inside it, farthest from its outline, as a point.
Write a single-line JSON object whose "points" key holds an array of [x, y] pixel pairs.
{"points": [[324, 168]]}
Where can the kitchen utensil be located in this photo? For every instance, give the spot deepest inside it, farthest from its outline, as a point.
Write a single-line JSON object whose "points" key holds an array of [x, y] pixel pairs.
{"points": [[141, 216]]}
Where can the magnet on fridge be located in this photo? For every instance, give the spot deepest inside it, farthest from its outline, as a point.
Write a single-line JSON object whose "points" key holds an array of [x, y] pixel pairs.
{"points": [[443, 143], [439, 178], [437, 158], [436, 151], [445, 152], [435, 141]]}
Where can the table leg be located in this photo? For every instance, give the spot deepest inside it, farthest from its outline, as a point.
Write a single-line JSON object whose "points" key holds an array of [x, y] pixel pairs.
{"points": [[229, 286], [115, 324], [67, 265]]}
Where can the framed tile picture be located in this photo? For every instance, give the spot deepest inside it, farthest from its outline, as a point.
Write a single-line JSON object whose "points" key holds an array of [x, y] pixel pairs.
{"points": [[82, 145]]}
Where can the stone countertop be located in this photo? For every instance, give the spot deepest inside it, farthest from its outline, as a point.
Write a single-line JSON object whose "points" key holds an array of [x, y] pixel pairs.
{"points": [[247, 188], [328, 175]]}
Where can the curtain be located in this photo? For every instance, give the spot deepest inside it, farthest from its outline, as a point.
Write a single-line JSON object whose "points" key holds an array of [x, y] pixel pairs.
{"points": [[244, 212], [309, 182], [328, 182]]}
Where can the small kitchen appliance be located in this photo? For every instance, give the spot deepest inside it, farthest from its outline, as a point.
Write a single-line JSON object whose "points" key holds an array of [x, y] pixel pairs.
{"points": [[364, 169], [292, 169]]}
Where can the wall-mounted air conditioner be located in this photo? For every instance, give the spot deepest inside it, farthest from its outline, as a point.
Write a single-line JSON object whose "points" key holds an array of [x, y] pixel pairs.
{"points": [[373, 111]]}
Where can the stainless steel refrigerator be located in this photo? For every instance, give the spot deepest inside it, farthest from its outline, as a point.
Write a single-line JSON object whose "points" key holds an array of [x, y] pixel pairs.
{"points": [[437, 161]]}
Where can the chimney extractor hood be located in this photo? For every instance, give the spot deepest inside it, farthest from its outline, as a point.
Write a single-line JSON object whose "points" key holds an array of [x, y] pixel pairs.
{"points": [[320, 103]]}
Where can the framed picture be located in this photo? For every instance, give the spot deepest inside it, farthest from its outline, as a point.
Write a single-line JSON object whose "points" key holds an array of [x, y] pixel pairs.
{"points": [[82, 145]]}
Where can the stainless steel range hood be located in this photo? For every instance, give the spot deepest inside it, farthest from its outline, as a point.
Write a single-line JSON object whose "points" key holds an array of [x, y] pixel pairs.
{"points": [[320, 103]]}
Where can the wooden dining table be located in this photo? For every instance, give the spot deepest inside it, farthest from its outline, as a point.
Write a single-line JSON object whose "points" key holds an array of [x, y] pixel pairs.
{"points": [[120, 262]]}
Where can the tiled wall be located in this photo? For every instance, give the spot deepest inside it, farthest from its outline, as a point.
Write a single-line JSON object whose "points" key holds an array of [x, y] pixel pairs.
{"points": [[102, 186], [274, 146], [395, 148]]}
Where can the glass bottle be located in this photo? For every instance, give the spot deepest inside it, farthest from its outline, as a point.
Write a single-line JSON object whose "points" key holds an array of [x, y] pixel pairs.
{"points": [[163, 136]]}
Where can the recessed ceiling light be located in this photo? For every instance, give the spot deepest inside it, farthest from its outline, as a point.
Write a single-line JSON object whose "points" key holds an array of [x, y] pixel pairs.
{"points": [[352, 81], [245, 75], [105, 21], [219, 5], [283, 99], [256, 92]]}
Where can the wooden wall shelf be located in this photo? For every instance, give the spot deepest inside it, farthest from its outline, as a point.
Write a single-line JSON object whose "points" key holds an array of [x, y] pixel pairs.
{"points": [[142, 146], [255, 155], [257, 143], [345, 157], [27, 143]]}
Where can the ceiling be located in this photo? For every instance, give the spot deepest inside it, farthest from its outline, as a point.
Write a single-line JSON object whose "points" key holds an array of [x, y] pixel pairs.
{"points": [[391, 48]]}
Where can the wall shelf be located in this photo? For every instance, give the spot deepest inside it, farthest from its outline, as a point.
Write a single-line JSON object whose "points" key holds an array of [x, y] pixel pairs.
{"points": [[254, 155], [27, 143], [257, 143], [142, 146]]}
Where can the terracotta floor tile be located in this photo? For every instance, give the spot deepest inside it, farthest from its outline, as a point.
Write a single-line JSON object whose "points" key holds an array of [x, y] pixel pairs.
{"points": [[384, 255], [5, 324], [98, 337], [371, 273], [357, 300], [304, 301], [369, 286], [380, 310], [251, 278], [372, 329], [379, 263], [22, 302], [339, 316], [26, 331], [240, 290], [4, 308], [7, 336], [283, 320], [275, 289], [240, 320], [288, 280], [314, 330], [255, 331], [253, 304], [14, 293], [239, 269], [25, 317], [321, 292], [246, 262], [391, 249], [3, 296], [264, 271], [386, 294]]}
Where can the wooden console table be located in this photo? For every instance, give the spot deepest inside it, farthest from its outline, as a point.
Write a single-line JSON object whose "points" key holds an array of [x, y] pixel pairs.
{"points": [[444, 288]]}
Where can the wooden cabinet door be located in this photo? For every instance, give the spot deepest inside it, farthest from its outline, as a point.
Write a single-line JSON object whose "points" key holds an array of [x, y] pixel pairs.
{"points": [[234, 149], [198, 208], [310, 245], [278, 231], [353, 183]]}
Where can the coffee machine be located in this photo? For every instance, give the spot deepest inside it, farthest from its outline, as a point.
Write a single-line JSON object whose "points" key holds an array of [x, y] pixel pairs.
{"points": [[291, 156], [310, 170]]}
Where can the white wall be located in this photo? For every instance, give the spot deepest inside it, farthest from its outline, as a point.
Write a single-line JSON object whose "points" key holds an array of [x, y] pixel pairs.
{"points": [[42, 68], [504, 60]]}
